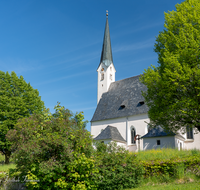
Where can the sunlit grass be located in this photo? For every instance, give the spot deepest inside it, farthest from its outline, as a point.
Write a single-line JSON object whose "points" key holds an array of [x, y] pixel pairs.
{"points": [[184, 186], [5, 168], [164, 154], [183, 182]]}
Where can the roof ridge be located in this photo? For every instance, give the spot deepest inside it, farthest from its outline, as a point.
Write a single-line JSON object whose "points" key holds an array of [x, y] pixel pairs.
{"points": [[112, 133], [129, 78]]}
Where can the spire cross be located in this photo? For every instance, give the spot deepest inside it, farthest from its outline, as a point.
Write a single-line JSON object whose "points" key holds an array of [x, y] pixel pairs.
{"points": [[106, 12]]}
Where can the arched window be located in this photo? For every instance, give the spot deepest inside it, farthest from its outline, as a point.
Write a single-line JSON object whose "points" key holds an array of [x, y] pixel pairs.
{"points": [[133, 133], [148, 128]]}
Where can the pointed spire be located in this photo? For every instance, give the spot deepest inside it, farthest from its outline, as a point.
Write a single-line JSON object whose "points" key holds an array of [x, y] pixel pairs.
{"points": [[106, 55]]}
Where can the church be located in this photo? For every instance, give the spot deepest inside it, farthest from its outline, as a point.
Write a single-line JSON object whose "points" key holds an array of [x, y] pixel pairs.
{"points": [[122, 115]]}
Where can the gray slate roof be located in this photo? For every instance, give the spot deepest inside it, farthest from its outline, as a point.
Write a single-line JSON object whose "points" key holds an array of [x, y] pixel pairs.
{"points": [[125, 92], [110, 132], [106, 54], [158, 132]]}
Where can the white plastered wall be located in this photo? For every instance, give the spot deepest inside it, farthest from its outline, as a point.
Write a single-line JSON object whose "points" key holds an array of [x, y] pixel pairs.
{"points": [[103, 85], [122, 124], [165, 142], [179, 143], [192, 143], [138, 122]]}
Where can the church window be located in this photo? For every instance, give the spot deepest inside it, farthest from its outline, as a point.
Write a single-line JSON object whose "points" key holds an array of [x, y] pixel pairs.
{"points": [[102, 76], [110, 77], [102, 69], [158, 142], [133, 133], [189, 132], [148, 129], [110, 68]]}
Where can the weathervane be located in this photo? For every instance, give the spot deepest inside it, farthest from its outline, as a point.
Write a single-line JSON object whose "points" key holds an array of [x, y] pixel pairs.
{"points": [[106, 12]]}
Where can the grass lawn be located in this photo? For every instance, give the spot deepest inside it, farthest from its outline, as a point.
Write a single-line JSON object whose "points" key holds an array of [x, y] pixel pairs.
{"points": [[161, 154], [183, 186], [4, 168]]}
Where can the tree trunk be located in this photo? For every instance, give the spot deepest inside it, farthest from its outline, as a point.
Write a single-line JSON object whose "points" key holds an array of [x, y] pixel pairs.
{"points": [[7, 156]]}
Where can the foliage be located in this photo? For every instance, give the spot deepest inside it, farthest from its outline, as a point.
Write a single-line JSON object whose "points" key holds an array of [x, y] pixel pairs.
{"points": [[172, 167], [54, 151], [117, 168], [166, 164], [173, 88], [18, 100], [169, 166]]}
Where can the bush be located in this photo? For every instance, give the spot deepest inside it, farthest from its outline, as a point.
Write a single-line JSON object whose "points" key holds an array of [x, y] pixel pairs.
{"points": [[54, 151], [117, 168], [175, 168]]}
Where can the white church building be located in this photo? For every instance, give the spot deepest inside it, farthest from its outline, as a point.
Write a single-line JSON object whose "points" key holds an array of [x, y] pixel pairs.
{"points": [[122, 115]]}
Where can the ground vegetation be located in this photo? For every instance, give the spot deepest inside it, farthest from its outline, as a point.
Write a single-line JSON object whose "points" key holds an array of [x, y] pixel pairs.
{"points": [[173, 86]]}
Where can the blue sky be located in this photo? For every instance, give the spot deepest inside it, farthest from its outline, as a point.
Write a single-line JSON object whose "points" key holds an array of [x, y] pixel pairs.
{"points": [[56, 45]]}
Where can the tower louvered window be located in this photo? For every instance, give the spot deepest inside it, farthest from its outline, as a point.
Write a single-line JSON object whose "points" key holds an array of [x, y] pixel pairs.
{"points": [[102, 76]]}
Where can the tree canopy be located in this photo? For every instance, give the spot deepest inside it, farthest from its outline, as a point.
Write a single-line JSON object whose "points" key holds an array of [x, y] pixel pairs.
{"points": [[17, 100], [173, 94], [55, 149]]}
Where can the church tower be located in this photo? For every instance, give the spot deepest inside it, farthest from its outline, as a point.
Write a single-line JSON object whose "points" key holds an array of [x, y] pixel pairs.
{"points": [[106, 70]]}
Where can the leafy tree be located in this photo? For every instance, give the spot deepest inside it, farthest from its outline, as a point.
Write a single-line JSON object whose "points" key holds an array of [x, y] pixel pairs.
{"points": [[54, 149], [17, 100], [173, 94]]}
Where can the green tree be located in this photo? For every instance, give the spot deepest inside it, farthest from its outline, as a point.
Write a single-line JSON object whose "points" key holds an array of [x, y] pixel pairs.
{"points": [[17, 100], [173, 87], [55, 149]]}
